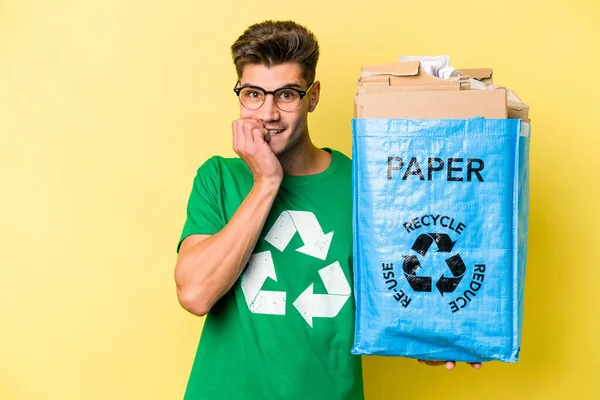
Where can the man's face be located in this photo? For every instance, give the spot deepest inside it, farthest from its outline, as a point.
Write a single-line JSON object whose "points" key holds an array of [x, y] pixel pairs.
{"points": [[288, 128]]}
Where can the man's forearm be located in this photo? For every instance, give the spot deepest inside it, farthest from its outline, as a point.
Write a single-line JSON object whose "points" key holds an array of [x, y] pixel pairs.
{"points": [[207, 270]]}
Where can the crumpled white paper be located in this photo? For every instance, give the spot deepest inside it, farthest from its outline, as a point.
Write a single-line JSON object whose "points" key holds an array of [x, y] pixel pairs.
{"points": [[439, 67]]}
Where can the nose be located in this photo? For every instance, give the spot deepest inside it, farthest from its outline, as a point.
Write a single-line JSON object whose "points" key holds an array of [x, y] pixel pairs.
{"points": [[268, 111]]}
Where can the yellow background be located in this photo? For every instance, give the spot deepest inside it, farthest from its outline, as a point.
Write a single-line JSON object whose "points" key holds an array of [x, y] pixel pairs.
{"points": [[108, 107]]}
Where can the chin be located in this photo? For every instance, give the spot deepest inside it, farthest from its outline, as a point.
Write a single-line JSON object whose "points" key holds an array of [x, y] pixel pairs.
{"points": [[282, 145], [279, 147], [278, 151]]}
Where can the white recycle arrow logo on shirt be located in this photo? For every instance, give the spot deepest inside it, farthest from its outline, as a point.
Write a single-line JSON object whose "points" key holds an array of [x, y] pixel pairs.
{"points": [[316, 244], [260, 267], [312, 305]]}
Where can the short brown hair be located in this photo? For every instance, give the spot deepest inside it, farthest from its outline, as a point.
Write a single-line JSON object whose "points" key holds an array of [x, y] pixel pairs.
{"points": [[276, 42]]}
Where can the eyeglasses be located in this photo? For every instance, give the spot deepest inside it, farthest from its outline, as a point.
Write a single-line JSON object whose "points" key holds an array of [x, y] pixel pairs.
{"points": [[285, 98]]}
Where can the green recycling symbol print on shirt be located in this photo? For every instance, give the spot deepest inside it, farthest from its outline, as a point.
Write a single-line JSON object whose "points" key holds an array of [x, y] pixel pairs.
{"points": [[316, 244]]}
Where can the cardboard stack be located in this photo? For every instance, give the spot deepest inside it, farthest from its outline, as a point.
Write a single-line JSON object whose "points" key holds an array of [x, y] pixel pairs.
{"points": [[402, 90]]}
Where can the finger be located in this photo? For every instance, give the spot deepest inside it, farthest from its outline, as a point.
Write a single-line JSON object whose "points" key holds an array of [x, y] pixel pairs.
{"points": [[252, 122], [476, 365], [234, 135], [264, 133], [450, 365], [260, 135], [248, 127], [433, 363], [258, 123], [256, 139], [241, 138]]}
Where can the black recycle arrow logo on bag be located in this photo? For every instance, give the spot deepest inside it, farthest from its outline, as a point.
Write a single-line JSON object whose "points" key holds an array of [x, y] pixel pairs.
{"points": [[423, 283]]}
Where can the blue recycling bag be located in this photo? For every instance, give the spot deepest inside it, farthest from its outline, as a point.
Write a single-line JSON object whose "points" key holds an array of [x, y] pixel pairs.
{"points": [[440, 237]]}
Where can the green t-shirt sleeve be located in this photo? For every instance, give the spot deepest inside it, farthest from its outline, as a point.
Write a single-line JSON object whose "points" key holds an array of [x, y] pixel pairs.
{"points": [[204, 214]]}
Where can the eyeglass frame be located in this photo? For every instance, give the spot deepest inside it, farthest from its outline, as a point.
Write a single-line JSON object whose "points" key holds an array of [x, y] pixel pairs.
{"points": [[301, 93]]}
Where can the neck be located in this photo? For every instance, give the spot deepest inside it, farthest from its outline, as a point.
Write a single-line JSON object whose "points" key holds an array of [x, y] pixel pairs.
{"points": [[304, 159]]}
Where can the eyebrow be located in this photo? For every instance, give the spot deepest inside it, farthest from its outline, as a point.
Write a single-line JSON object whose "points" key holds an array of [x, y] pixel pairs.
{"points": [[287, 85]]}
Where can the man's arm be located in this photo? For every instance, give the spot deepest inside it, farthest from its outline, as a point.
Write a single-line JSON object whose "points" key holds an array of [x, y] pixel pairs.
{"points": [[208, 265]]}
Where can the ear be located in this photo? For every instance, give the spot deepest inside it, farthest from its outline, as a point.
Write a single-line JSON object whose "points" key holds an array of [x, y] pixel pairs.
{"points": [[314, 96]]}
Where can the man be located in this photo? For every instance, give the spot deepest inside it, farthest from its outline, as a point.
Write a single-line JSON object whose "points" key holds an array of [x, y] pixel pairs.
{"points": [[284, 208], [266, 250]]}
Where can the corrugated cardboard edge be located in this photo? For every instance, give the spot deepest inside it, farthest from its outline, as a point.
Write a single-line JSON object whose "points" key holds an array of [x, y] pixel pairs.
{"points": [[405, 74], [484, 75], [409, 68], [516, 108]]}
